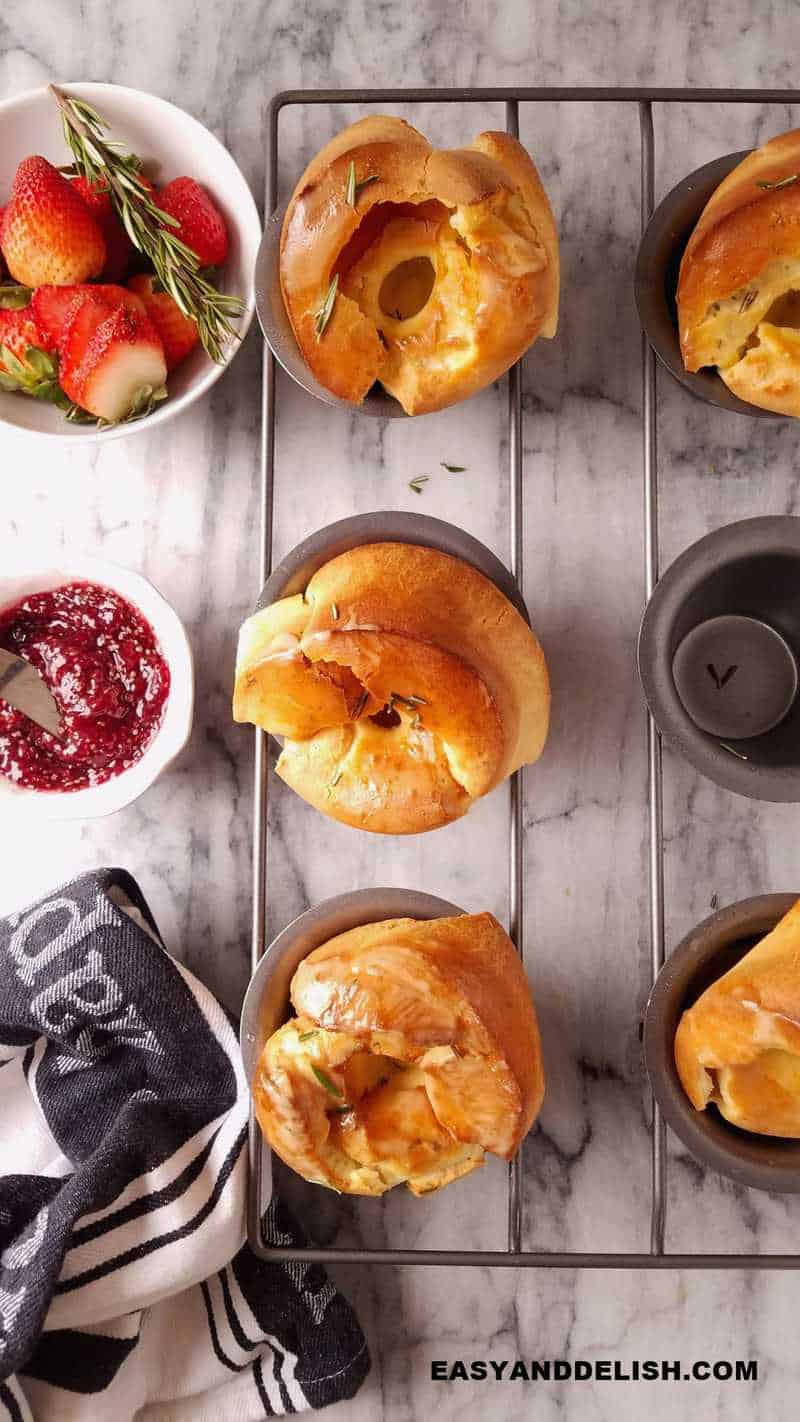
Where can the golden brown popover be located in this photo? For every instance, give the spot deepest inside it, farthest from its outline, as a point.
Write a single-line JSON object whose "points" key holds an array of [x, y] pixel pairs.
{"points": [[738, 1046], [415, 1050], [428, 270], [739, 286], [404, 683]]}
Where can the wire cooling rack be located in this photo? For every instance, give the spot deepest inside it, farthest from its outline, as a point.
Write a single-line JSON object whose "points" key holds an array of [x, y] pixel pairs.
{"points": [[513, 1255]]}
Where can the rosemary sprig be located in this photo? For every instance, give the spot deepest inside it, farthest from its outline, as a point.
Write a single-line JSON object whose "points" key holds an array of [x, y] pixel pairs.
{"points": [[177, 268], [333, 782], [359, 706], [779, 182], [416, 484], [412, 702], [306, 1036], [353, 189], [747, 300], [325, 1080], [365, 182], [350, 190], [453, 468], [325, 312], [733, 750]]}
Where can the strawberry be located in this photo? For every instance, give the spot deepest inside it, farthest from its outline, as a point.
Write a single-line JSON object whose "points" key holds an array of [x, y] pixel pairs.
{"points": [[112, 361], [26, 360], [179, 334], [200, 223], [19, 330], [54, 305], [49, 234], [119, 247]]}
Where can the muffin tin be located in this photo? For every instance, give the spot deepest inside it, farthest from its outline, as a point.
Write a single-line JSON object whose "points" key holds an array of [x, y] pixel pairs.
{"points": [[723, 623], [277, 330], [302, 560], [655, 282], [711, 949], [266, 1004]]}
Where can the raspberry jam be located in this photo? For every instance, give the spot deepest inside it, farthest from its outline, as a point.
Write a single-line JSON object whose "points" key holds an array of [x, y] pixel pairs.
{"points": [[101, 660]]}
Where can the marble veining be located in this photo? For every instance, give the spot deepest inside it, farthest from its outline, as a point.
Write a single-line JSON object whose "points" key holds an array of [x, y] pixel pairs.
{"points": [[182, 505]]}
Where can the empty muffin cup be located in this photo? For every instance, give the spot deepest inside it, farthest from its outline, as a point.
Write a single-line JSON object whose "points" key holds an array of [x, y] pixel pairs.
{"points": [[718, 650], [710, 950], [736, 676], [658, 264]]}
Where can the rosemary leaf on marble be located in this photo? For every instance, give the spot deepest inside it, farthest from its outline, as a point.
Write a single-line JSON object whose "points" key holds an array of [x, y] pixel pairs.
{"points": [[417, 483]]}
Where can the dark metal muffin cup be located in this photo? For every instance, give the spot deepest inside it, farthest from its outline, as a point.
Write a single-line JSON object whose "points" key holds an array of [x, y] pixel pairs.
{"points": [[656, 281], [278, 333], [710, 950], [266, 1003], [752, 569], [295, 571]]}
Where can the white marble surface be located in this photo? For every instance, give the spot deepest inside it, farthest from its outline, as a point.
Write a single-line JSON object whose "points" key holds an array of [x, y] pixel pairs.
{"points": [[181, 505]]}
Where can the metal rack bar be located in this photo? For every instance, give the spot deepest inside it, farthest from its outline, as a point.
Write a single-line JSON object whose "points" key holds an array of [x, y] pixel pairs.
{"points": [[655, 794], [514, 1256], [516, 848]]}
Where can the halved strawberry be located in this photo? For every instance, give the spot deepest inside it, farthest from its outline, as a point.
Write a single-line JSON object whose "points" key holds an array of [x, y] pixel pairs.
{"points": [[112, 361], [49, 234], [52, 307], [19, 330], [200, 223], [26, 360], [179, 334]]}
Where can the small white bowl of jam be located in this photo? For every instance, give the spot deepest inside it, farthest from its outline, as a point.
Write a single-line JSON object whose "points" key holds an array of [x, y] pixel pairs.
{"points": [[117, 660]]}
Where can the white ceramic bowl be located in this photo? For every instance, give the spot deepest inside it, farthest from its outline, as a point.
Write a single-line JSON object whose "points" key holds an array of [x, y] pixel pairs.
{"points": [[170, 143], [18, 581]]}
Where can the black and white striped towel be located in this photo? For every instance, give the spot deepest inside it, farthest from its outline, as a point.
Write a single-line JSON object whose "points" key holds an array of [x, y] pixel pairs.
{"points": [[125, 1291]]}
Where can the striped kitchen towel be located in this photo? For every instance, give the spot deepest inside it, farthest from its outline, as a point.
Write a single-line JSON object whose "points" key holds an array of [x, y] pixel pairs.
{"points": [[125, 1288]]}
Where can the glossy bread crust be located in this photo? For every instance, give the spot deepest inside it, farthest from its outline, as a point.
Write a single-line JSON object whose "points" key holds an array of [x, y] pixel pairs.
{"points": [[479, 214], [738, 1046], [405, 684], [415, 1051], [743, 257]]}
